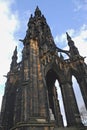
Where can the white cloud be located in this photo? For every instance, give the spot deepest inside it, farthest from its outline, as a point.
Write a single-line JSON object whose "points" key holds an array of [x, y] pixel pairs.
{"points": [[77, 4], [81, 40], [9, 24], [78, 36], [80, 5], [60, 39]]}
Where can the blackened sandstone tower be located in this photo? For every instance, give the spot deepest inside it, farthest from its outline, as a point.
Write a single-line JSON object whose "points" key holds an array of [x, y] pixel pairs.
{"points": [[30, 101]]}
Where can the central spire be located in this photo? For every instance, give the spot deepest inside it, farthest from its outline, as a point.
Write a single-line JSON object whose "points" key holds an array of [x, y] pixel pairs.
{"points": [[39, 29]]}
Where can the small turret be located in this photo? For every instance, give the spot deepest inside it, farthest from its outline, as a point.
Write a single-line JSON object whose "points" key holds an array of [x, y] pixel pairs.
{"points": [[14, 60], [73, 49], [70, 42]]}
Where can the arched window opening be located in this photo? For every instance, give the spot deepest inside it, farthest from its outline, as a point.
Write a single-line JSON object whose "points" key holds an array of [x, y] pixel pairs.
{"points": [[61, 103], [80, 101], [50, 81]]}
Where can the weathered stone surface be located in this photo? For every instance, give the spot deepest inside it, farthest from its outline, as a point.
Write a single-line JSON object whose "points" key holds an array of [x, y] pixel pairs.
{"points": [[68, 128], [30, 100], [71, 128]]}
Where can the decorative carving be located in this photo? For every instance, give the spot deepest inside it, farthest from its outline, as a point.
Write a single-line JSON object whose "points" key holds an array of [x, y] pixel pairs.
{"points": [[30, 100]]}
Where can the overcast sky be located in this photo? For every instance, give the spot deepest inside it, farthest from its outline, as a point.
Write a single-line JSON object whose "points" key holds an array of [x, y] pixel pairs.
{"points": [[62, 16]]}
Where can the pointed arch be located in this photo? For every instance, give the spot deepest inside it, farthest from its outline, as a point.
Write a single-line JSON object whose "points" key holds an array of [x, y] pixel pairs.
{"points": [[81, 80], [54, 106]]}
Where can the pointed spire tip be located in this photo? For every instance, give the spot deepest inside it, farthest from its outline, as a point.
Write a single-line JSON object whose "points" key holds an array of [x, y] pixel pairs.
{"points": [[68, 37], [37, 11]]}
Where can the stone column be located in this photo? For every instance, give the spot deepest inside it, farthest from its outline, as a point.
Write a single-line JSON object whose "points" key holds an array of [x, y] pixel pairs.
{"points": [[82, 81], [58, 115], [36, 80], [71, 108]]}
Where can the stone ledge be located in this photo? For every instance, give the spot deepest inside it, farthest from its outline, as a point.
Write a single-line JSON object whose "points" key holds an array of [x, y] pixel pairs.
{"points": [[26, 125], [70, 128]]}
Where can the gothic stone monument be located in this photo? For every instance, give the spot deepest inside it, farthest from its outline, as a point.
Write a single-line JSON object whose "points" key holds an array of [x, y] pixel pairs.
{"points": [[30, 100]]}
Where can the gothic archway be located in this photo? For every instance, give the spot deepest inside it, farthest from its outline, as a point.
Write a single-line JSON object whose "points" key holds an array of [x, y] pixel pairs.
{"points": [[78, 74], [54, 107], [79, 99], [50, 81]]}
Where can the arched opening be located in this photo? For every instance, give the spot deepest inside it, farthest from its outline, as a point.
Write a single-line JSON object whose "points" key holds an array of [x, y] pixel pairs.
{"points": [[80, 101], [50, 81], [55, 106]]}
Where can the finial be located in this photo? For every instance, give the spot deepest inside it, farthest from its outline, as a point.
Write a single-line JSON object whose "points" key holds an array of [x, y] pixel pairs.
{"points": [[15, 51], [37, 12], [68, 37], [15, 54], [70, 41], [14, 59], [31, 16], [37, 8]]}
